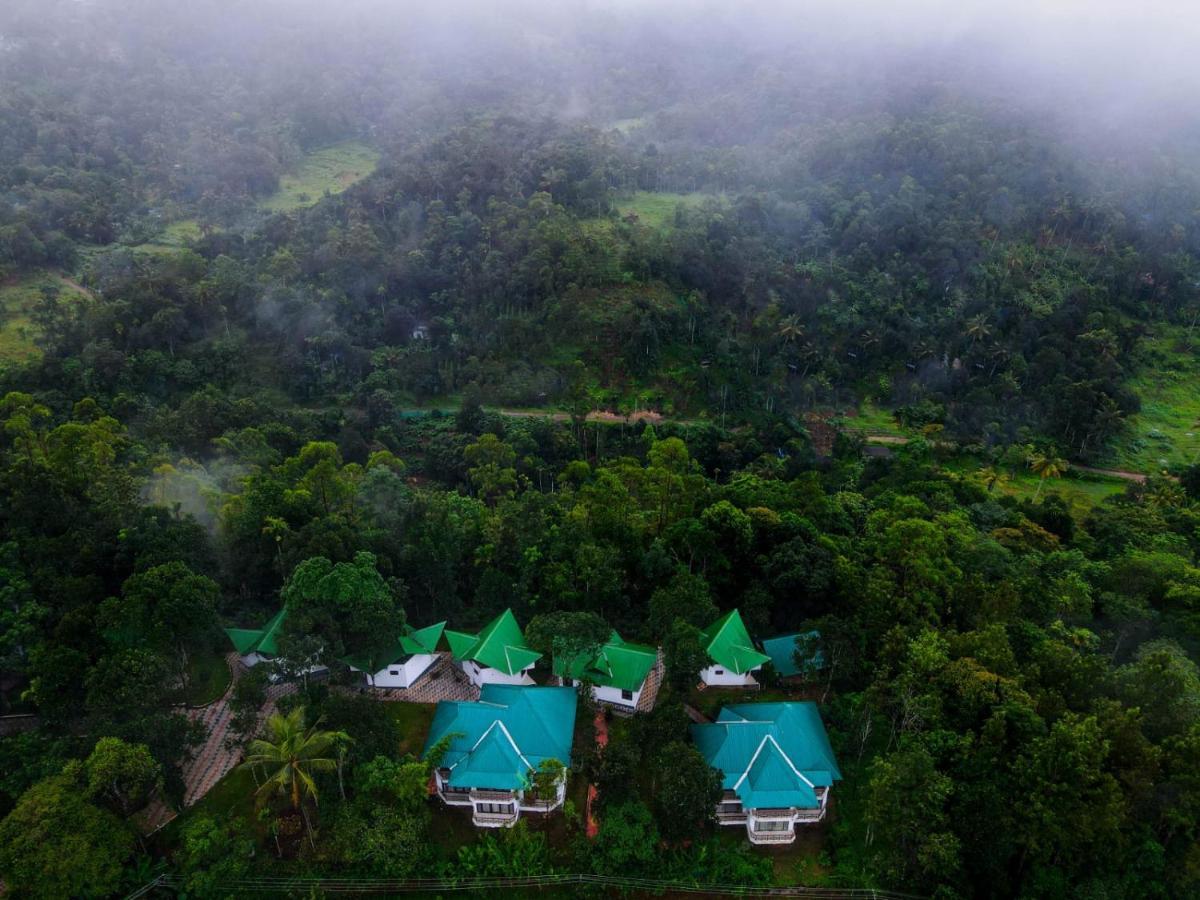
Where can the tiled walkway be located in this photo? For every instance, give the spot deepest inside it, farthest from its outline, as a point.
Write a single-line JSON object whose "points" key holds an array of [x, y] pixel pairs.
{"points": [[214, 759]]}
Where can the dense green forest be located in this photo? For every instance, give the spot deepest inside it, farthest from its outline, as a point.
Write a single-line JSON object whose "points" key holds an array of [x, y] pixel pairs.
{"points": [[424, 317]]}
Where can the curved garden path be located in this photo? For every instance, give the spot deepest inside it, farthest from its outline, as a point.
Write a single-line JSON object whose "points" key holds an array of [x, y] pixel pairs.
{"points": [[214, 759]]}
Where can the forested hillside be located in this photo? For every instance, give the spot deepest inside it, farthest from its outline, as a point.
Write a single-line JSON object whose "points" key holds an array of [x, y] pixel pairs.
{"points": [[588, 316]]}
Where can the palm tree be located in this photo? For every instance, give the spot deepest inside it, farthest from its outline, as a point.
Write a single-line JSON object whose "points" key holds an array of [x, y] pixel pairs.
{"points": [[990, 477], [1046, 465], [790, 329], [977, 328], [291, 756]]}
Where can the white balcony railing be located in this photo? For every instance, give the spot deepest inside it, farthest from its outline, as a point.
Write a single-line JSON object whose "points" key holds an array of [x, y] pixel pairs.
{"points": [[771, 837], [493, 819]]}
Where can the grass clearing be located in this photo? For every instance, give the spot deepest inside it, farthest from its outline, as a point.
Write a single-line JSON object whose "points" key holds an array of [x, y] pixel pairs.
{"points": [[657, 210], [874, 420], [627, 125], [18, 299], [331, 170], [1166, 433], [176, 236], [413, 720], [1081, 491]]}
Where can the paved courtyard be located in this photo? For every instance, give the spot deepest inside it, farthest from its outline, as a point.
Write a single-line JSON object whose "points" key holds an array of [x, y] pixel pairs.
{"points": [[441, 681]]}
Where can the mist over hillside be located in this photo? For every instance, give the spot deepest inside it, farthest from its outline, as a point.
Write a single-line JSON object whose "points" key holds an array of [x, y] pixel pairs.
{"points": [[381, 379]]}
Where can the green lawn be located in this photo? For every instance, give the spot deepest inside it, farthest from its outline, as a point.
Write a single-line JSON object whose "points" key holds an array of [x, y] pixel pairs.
{"points": [[208, 677], [233, 796], [333, 169], [1166, 433], [18, 297], [414, 720], [657, 210]]}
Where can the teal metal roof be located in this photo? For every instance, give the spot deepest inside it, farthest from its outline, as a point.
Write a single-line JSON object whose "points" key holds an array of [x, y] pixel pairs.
{"points": [[782, 651], [770, 754], [502, 738]]}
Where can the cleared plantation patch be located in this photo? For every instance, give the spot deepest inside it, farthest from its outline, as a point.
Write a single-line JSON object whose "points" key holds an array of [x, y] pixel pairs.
{"points": [[18, 299], [875, 420], [1166, 433], [176, 236], [331, 170], [657, 210], [1080, 491]]}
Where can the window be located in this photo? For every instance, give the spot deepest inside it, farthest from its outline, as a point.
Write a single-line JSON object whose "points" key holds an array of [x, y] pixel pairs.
{"points": [[773, 825], [502, 809], [626, 695], [718, 671], [393, 671]]}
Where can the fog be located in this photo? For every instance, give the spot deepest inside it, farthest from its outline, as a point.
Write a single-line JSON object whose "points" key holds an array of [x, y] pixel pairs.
{"points": [[1105, 66]]}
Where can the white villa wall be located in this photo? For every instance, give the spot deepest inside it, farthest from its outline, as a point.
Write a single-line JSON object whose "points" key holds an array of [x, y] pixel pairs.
{"points": [[481, 675], [402, 675], [717, 676], [612, 695]]}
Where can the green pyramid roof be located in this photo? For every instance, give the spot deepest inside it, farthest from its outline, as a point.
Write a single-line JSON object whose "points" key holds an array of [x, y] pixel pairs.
{"points": [[263, 641], [728, 644], [411, 643], [771, 754], [500, 645], [617, 664], [782, 651], [498, 741]]}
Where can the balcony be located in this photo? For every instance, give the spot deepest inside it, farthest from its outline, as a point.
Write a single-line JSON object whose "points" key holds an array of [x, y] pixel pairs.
{"points": [[493, 820], [491, 796], [764, 812], [771, 837]]}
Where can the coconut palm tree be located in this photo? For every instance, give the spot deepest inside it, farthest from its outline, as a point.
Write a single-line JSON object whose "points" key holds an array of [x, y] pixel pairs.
{"points": [[790, 329], [290, 756], [990, 477], [1046, 465], [977, 328]]}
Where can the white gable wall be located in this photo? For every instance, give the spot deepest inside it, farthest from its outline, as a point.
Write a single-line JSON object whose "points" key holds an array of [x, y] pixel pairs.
{"points": [[719, 676], [402, 675], [612, 695], [480, 675]]}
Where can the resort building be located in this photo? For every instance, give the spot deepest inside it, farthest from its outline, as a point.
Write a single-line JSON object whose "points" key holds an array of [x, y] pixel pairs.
{"points": [[499, 745], [410, 657], [617, 673], [256, 645], [778, 767], [496, 655], [796, 655], [731, 652]]}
